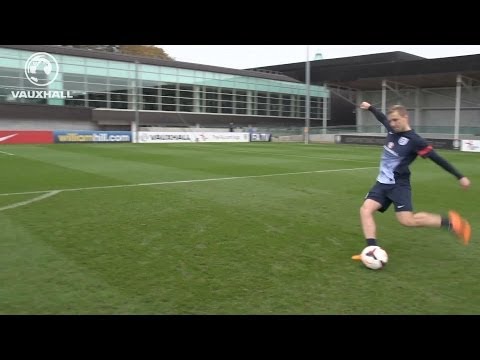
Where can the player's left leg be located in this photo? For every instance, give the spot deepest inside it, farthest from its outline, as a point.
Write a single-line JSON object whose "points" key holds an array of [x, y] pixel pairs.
{"points": [[458, 225], [420, 219], [402, 200], [401, 196], [454, 222]]}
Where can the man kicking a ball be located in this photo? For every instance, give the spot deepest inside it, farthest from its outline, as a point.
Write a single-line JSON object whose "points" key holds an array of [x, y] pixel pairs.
{"points": [[402, 146]]}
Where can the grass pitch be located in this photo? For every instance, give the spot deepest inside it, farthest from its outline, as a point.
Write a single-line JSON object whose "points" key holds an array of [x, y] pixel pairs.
{"points": [[256, 228]]}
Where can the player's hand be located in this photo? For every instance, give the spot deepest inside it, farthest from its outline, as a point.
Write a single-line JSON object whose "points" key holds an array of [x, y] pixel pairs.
{"points": [[464, 182], [364, 105]]}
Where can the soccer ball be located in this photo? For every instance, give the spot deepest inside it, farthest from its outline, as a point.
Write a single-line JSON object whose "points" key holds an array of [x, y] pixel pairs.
{"points": [[374, 257]]}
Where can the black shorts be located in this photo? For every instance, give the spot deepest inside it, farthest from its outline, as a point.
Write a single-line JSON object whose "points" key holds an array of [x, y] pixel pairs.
{"points": [[385, 194]]}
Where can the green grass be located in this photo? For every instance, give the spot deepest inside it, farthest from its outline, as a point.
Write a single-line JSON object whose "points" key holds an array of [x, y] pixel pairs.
{"points": [[247, 244]]}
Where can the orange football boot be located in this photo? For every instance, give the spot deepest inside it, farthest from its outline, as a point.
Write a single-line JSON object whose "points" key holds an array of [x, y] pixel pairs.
{"points": [[460, 227]]}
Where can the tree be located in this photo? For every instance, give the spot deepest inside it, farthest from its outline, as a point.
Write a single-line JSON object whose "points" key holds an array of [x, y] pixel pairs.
{"points": [[107, 48], [136, 50], [145, 50]]}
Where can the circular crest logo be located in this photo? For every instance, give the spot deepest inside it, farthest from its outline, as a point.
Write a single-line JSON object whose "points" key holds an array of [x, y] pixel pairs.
{"points": [[403, 140], [41, 69]]}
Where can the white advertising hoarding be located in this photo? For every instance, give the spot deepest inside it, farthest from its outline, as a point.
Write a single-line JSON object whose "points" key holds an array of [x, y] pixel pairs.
{"points": [[470, 145], [189, 137]]}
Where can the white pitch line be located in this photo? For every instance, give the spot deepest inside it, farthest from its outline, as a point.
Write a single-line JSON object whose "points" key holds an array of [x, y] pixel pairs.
{"points": [[186, 181], [6, 153], [26, 202], [304, 156], [292, 155]]}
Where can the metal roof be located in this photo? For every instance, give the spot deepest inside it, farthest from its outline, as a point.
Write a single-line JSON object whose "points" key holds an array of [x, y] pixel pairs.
{"points": [[367, 72]]}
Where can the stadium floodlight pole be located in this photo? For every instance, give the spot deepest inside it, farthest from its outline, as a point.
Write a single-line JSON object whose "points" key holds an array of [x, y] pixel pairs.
{"points": [[137, 103], [307, 98], [458, 95], [384, 101]]}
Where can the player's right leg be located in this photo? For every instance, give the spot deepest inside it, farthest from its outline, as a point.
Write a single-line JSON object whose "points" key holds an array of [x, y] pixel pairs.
{"points": [[374, 201], [367, 211]]}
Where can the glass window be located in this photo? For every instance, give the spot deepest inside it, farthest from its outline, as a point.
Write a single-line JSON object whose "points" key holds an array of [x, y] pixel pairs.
{"points": [[211, 100], [147, 69], [227, 101], [120, 73], [185, 72], [73, 82], [168, 74], [186, 76], [294, 109], [199, 98], [73, 60], [186, 79], [150, 98], [28, 86], [74, 69], [274, 105], [97, 91], [9, 81], [314, 108], [148, 72], [76, 85], [90, 70], [186, 98], [241, 102], [97, 100], [118, 93], [261, 102], [301, 106], [96, 63], [77, 100], [286, 105], [169, 97]]}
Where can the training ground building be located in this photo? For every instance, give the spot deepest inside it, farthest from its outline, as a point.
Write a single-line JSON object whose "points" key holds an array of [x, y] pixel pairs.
{"points": [[442, 95], [68, 88]]}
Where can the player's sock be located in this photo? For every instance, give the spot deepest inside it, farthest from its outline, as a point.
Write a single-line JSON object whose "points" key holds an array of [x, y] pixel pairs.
{"points": [[446, 223], [371, 242]]}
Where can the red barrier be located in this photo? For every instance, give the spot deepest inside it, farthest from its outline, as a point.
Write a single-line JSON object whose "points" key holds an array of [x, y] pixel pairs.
{"points": [[26, 137]]}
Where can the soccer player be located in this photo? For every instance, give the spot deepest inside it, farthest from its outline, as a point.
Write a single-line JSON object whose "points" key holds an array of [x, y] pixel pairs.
{"points": [[401, 148]]}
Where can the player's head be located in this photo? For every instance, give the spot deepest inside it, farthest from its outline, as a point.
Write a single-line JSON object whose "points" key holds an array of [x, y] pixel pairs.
{"points": [[398, 118]]}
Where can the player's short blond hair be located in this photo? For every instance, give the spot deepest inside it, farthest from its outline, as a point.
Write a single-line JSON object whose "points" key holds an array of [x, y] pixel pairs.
{"points": [[402, 110]]}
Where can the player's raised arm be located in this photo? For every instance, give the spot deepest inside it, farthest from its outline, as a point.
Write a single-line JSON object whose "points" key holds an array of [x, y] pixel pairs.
{"points": [[365, 105], [378, 114]]}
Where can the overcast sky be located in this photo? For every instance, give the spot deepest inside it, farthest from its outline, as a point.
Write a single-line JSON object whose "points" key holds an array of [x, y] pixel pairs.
{"points": [[248, 56]]}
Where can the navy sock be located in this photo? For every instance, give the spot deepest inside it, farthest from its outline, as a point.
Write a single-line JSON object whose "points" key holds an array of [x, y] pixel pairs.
{"points": [[371, 242], [446, 223]]}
